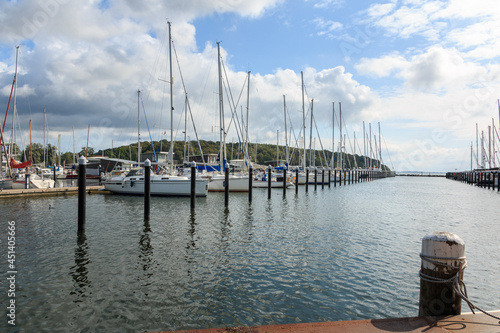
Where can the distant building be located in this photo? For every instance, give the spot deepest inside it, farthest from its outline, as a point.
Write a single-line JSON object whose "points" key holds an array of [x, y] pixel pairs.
{"points": [[209, 158], [161, 157]]}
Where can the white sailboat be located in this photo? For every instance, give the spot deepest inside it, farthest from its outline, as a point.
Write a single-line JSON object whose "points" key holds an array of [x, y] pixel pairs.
{"points": [[161, 184], [237, 182]]}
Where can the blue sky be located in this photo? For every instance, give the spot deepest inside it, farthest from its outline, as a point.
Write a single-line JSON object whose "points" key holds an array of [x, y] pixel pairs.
{"points": [[428, 71]]}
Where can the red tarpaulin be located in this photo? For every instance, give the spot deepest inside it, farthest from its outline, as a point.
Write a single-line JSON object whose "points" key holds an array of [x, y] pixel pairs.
{"points": [[18, 165]]}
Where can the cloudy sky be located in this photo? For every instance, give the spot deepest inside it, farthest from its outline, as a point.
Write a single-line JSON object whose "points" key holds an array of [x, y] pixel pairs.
{"points": [[428, 71]]}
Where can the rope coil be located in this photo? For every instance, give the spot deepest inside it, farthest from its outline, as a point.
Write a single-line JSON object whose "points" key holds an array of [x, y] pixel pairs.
{"points": [[458, 284]]}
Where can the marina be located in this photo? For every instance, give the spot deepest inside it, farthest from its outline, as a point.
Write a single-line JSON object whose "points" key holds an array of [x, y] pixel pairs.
{"points": [[332, 254]]}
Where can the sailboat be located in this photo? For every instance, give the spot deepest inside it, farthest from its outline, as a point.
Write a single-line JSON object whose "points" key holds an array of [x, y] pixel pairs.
{"points": [[237, 182], [161, 184]]}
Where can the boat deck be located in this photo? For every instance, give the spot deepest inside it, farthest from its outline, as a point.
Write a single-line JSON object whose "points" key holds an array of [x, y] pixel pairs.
{"points": [[464, 323]]}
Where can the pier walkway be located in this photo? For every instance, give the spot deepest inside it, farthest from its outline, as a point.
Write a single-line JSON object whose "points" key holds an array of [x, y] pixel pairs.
{"points": [[50, 191], [464, 323]]}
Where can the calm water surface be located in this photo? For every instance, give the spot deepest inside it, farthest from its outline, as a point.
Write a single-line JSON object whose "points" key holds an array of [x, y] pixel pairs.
{"points": [[343, 253]]}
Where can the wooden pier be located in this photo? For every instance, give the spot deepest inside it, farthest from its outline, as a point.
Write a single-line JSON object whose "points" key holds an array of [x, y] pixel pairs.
{"points": [[50, 191], [488, 178], [464, 323]]}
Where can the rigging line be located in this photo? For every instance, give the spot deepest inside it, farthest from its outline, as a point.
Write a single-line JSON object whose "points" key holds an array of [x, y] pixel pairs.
{"points": [[233, 108], [156, 64], [147, 124], [320, 142], [387, 150], [188, 103], [350, 144]]}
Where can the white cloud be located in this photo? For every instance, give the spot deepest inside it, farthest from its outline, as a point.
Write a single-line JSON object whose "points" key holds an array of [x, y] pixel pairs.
{"points": [[381, 67], [325, 27]]}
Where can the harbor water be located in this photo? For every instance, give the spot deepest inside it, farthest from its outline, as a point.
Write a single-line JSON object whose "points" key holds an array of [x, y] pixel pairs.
{"points": [[343, 253]]}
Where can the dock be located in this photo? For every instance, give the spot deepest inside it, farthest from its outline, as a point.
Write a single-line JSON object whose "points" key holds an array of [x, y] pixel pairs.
{"points": [[51, 191], [464, 323]]}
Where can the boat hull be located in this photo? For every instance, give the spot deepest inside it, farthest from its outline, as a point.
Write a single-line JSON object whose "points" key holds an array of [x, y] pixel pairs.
{"points": [[160, 186], [5, 184], [236, 184]]}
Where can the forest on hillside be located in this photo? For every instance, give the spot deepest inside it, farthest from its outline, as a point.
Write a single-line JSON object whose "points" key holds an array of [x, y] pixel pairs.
{"points": [[259, 153]]}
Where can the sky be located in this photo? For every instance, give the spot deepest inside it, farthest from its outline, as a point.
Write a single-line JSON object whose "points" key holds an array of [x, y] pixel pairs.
{"points": [[427, 71]]}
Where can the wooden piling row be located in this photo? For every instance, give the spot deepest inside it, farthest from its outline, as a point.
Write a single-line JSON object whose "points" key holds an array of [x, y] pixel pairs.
{"points": [[487, 178]]}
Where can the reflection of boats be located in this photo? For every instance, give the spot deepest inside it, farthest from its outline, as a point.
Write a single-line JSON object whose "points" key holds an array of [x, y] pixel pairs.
{"points": [[161, 185]]}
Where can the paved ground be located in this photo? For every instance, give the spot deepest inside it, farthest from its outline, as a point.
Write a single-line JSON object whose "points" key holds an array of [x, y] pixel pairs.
{"points": [[465, 323]]}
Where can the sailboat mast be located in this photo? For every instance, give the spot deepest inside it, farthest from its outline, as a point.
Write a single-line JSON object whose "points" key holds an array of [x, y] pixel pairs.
{"points": [[370, 145], [477, 147], [364, 146], [246, 124], [286, 132], [333, 135], [44, 141], [171, 79], [340, 138], [13, 152], [221, 112], [31, 151], [277, 148], [303, 124], [138, 127], [310, 137], [379, 148], [74, 154]]}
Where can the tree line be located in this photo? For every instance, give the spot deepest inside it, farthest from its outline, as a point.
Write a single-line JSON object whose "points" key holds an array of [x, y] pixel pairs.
{"points": [[262, 154]]}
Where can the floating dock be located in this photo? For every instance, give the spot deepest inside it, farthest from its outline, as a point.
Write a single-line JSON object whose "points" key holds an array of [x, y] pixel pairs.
{"points": [[50, 191], [464, 323]]}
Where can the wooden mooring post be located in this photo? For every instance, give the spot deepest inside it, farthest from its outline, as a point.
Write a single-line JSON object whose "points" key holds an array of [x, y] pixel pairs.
{"points": [[193, 185], [82, 187], [269, 182], [250, 180], [284, 181], [443, 261], [307, 179], [226, 185], [147, 189], [315, 178]]}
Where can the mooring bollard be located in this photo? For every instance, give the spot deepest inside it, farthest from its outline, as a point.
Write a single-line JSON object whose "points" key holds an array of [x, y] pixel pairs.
{"points": [[250, 179], [226, 185], [269, 182], [443, 262], [147, 189], [82, 187], [193, 184]]}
